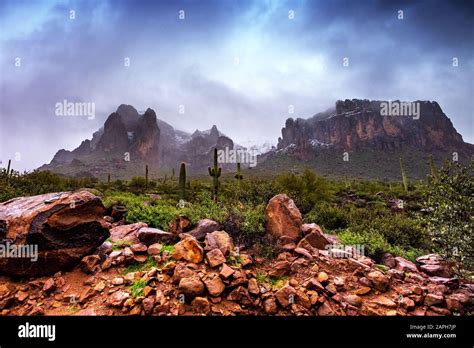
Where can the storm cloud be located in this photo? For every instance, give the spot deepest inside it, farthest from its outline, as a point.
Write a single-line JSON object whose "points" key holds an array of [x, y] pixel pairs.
{"points": [[236, 64]]}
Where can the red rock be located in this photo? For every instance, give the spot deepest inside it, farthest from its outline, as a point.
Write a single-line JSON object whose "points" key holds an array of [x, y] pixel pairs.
{"points": [[314, 236], [214, 285], [380, 281], [388, 260], [405, 265], [304, 253], [148, 304], [283, 219], [203, 227], [215, 257], [191, 287], [326, 309], [433, 299], [64, 227], [138, 248], [189, 250], [407, 303], [154, 249], [353, 300], [253, 286], [118, 298], [201, 305], [226, 271], [285, 296], [280, 268], [383, 301], [90, 264], [219, 240], [148, 235], [270, 306], [49, 285]]}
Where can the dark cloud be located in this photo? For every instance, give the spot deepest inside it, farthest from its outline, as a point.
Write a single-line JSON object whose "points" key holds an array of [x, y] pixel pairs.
{"points": [[191, 62]]}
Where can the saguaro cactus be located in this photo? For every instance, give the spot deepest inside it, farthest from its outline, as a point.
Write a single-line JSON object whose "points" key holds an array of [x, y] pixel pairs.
{"points": [[108, 179], [215, 172], [182, 181], [8, 170], [238, 175], [146, 177], [434, 172], [404, 176]]}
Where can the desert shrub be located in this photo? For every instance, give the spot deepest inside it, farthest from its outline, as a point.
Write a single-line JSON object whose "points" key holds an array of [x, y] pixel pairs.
{"points": [[137, 184], [328, 216], [249, 220], [449, 200]]}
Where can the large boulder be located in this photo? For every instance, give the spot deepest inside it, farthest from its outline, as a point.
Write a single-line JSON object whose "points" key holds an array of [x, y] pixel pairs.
{"points": [[435, 265], [203, 227], [188, 249], [219, 240], [313, 236], [283, 218], [53, 232]]}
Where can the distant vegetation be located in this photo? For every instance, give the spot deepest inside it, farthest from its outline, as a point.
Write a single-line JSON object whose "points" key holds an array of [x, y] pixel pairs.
{"points": [[437, 213]]}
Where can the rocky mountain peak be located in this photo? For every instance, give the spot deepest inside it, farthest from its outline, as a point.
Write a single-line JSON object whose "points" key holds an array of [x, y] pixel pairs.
{"points": [[114, 137]]}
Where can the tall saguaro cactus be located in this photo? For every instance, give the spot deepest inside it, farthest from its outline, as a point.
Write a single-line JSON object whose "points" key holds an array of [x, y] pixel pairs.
{"points": [[8, 170], [182, 181], [404, 176], [215, 172], [238, 175]]}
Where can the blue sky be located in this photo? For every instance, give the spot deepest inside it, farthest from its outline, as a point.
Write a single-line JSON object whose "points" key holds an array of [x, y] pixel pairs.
{"points": [[236, 64]]}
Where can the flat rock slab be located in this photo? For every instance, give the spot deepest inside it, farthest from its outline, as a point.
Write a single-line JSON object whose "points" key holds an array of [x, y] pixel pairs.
{"points": [[50, 232]]}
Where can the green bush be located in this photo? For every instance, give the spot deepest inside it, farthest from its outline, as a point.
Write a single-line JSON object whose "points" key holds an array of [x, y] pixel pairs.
{"points": [[449, 200], [306, 189], [328, 216]]}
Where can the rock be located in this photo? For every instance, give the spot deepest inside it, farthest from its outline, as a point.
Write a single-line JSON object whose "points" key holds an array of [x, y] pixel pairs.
{"points": [[449, 282], [180, 225], [148, 235], [270, 306], [430, 259], [118, 281], [245, 260], [214, 285], [304, 253], [105, 249], [49, 285], [64, 227], [313, 236], [285, 296], [280, 268], [322, 277], [148, 304], [154, 249], [203, 227], [226, 271], [100, 286], [90, 264], [219, 240], [283, 219], [407, 303], [191, 287], [118, 298], [126, 233], [189, 250], [240, 295], [388, 260], [441, 270], [326, 309], [201, 305], [182, 271], [353, 300], [138, 248], [379, 280], [215, 257], [433, 299], [395, 273], [405, 265], [253, 287], [362, 291], [23, 295], [383, 301]]}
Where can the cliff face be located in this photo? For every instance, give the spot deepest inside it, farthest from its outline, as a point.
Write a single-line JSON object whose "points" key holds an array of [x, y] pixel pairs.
{"points": [[358, 124]]}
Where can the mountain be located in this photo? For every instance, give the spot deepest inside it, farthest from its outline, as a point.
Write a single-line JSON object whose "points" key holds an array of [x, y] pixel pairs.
{"points": [[128, 141], [366, 139]]}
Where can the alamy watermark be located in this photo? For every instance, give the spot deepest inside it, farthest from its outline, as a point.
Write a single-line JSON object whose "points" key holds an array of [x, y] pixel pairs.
{"points": [[237, 156], [398, 108], [345, 251], [24, 251], [66, 108]]}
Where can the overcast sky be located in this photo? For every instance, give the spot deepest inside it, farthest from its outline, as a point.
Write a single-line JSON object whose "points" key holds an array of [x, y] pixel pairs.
{"points": [[237, 64]]}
